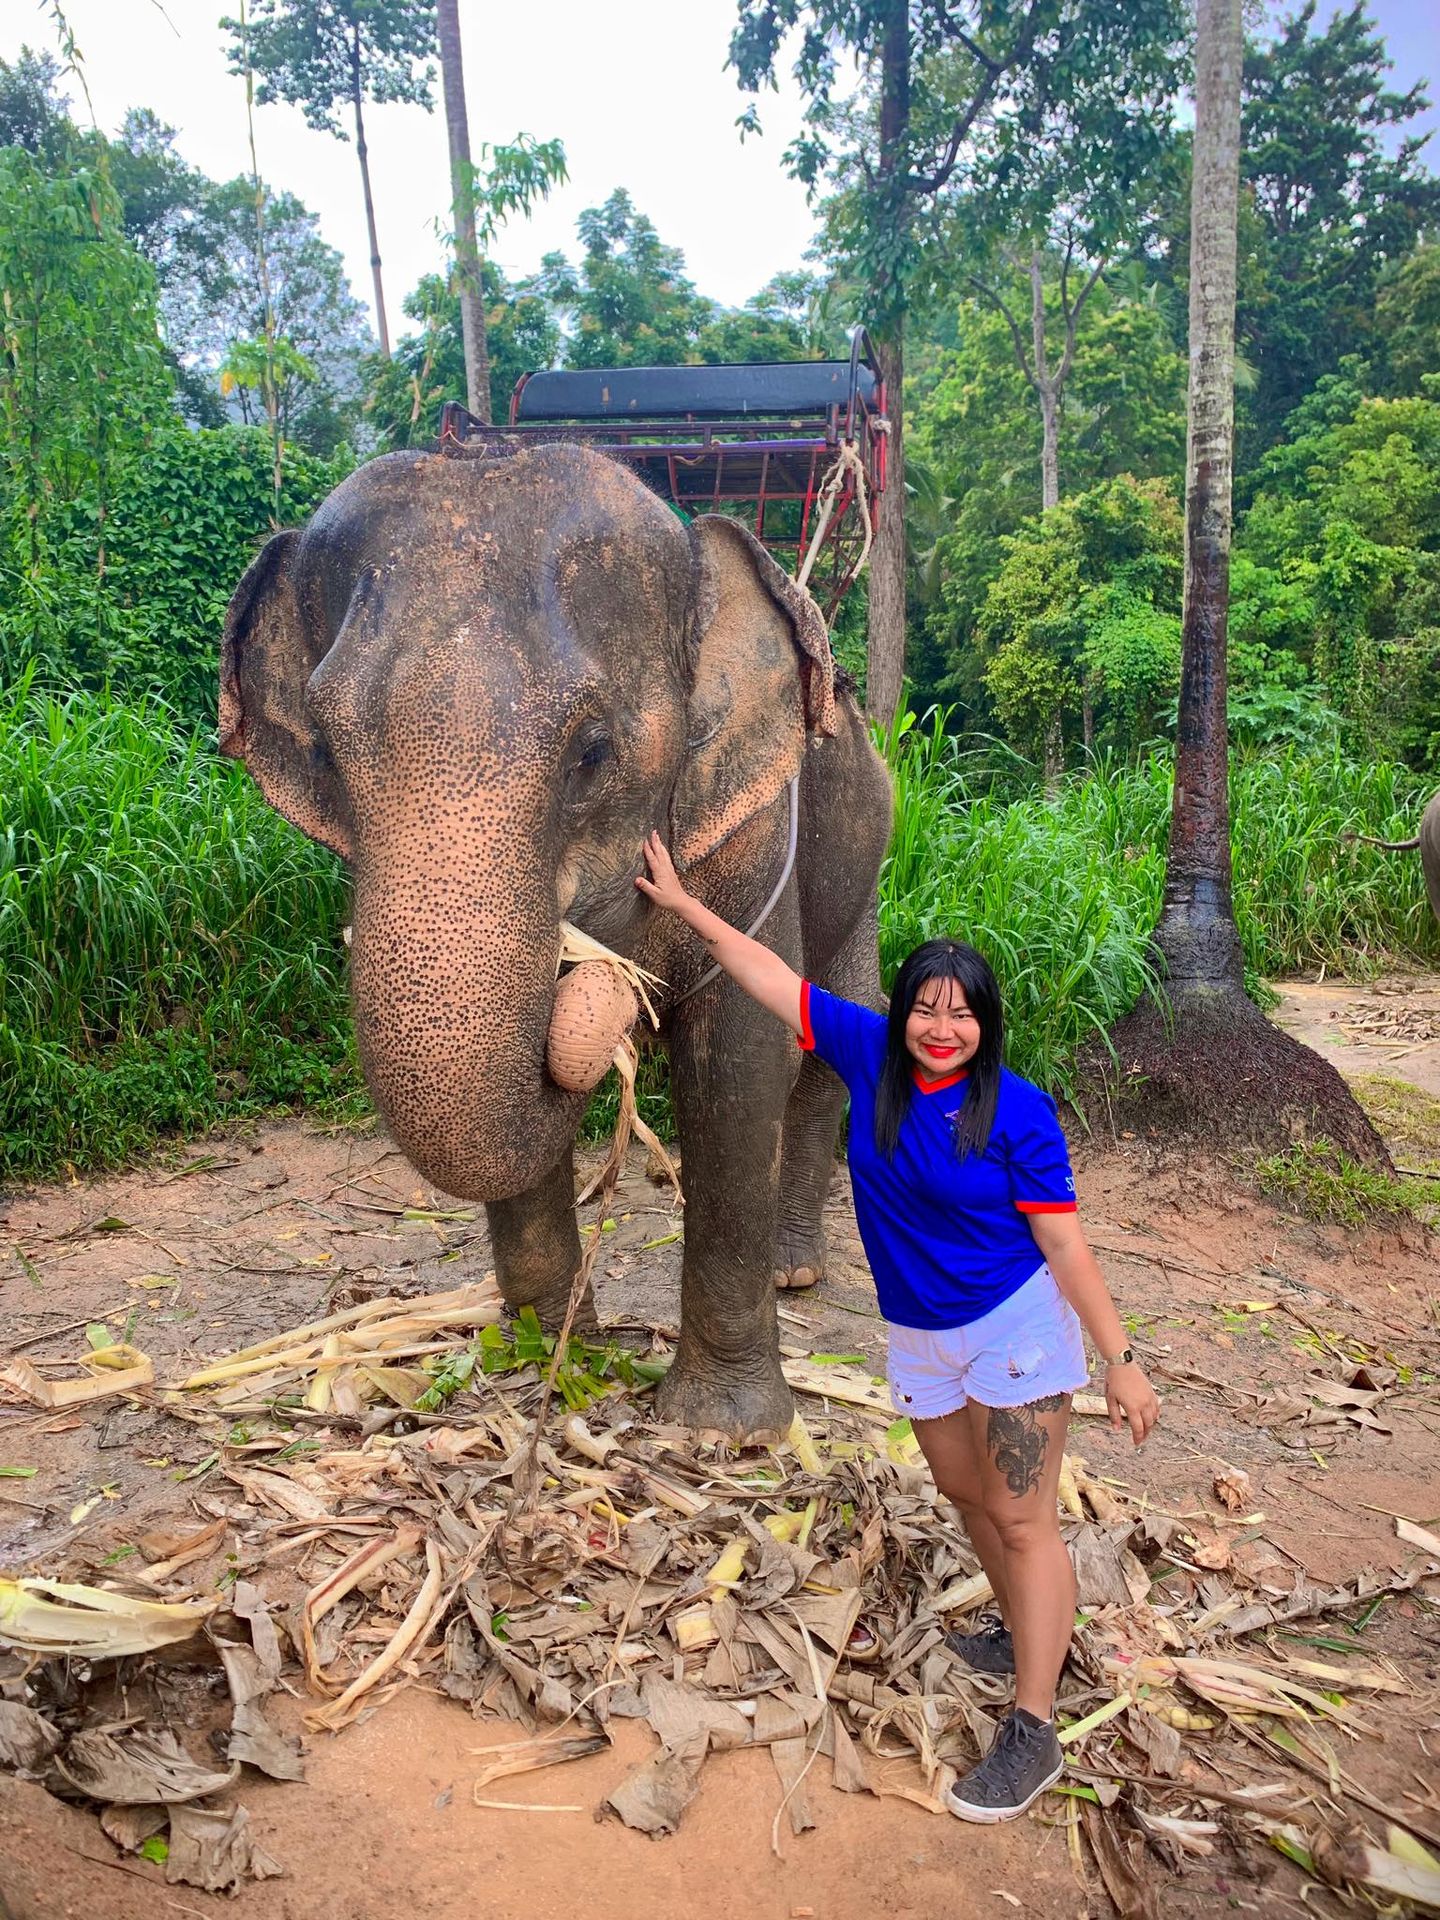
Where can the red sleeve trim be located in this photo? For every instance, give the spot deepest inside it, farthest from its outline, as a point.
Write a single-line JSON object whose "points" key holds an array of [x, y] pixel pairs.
{"points": [[807, 1032], [1046, 1206]]}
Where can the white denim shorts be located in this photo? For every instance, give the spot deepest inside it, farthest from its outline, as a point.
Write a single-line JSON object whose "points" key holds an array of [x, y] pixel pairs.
{"points": [[1027, 1348]]}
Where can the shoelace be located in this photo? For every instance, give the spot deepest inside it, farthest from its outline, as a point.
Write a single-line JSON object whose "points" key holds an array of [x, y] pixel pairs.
{"points": [[1006, 1758]]}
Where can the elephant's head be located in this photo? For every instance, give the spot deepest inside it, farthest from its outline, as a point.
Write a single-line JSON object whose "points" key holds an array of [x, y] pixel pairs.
{"points": [[482, 683]]}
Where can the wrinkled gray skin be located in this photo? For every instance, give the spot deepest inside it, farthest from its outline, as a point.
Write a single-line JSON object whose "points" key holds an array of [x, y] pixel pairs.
{"points": [[482, 682], [1428, 841]]}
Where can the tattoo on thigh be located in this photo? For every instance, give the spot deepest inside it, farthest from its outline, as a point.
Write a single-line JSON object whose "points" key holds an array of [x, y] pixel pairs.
{"points": [[1018, 1443]]}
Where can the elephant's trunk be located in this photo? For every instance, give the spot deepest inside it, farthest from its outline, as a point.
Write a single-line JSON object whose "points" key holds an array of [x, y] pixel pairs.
{"points": [[453, 980]]}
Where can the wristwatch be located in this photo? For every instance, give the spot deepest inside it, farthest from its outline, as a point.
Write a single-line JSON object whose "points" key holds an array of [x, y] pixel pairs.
{"points": [[1124, 1358]]}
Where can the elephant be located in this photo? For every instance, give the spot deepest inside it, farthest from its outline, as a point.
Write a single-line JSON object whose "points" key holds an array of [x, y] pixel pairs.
{"points": [[1428, 841], [482, 681]]}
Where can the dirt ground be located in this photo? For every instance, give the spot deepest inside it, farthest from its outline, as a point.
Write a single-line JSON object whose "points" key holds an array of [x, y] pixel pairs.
{"points": [[1231, 1302]]}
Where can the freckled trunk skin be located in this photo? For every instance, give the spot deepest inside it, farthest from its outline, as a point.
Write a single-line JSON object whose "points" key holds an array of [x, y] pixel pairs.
{"points": [[451, 1012]]}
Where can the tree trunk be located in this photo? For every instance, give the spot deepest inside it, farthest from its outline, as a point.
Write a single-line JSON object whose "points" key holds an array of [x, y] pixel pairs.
{"points": [[885, 648], [364, 152], [1047, 389], [462, 192], [1054, 758], [885, 639], [1197, 932]]}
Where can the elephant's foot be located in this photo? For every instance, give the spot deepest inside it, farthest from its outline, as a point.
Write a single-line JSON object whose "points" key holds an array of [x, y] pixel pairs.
{"points": [[550, 1308], [799, 1260], [751, 1409]]}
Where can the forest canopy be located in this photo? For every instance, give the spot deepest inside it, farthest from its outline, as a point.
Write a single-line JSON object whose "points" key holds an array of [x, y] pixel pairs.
{"points": [[151, 436]]}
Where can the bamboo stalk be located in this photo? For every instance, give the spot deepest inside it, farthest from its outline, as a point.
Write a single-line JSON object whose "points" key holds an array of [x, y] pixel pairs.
{"points": [[391, 1307], [411, 1629]]}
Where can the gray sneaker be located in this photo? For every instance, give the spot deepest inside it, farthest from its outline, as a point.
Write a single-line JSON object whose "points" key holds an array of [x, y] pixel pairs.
{"points": [[1025, 1759], [991, 1650]]}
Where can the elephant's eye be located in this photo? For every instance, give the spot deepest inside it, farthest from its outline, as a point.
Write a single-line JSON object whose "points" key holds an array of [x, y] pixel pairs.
{"points": [[596, 749]]}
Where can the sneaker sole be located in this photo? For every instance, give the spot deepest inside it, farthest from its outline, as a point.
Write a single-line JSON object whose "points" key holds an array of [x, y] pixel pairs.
{"points": [[993, 1816]]}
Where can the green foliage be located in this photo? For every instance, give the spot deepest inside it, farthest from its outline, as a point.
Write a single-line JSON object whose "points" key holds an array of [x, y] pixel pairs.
{"points": [[321, 55], [187, 526], [170, 950], [404, 394], [1069, 940], [507, 180], [590, 1369], [1063, 893], [1320, 1181], [199, 239], [33, 113], [1345, 521], [1407, 323], [1084, 610], [1307, 892], [81, 380], [1335, 208], [630, 304], [1029, 71], [314, 310], [265, 376], [973, 423], [170, 953]]}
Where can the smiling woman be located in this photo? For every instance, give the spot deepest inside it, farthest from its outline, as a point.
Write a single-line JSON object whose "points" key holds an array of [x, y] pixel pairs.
{"points": [[966, 1209]]}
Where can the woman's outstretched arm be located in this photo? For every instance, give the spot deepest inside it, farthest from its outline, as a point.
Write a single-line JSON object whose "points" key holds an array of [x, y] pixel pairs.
{"points": [[762, 974]]}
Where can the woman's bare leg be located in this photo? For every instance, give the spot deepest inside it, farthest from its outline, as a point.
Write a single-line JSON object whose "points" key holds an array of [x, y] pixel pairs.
{"points": [[1018, 1451], [948, 1445]]}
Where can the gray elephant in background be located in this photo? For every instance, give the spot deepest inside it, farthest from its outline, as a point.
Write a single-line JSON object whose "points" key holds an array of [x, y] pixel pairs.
{"points": [[483, 682], [1428, 841]]}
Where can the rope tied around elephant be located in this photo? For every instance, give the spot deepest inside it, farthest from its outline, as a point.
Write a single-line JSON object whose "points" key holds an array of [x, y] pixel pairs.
{"points": [[847, 463], [582, 949]]}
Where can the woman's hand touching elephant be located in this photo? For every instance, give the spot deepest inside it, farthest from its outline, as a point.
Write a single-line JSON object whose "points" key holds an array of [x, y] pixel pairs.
{"points": [[662, 884], [762, 974]]}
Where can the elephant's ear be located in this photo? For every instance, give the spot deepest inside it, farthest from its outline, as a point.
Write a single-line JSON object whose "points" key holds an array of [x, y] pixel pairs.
{"points": [[763, 680], [267, 656]]}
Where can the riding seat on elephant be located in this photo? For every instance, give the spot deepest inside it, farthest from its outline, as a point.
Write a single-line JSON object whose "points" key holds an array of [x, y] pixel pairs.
{"points": [[482, 682]]}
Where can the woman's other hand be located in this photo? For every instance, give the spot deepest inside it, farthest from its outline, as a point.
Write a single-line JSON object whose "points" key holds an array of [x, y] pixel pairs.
{"points": [[1130, 1397]]}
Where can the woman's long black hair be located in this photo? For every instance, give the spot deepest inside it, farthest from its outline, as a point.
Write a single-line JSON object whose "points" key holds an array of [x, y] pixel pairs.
{"points": [[943, 960]]}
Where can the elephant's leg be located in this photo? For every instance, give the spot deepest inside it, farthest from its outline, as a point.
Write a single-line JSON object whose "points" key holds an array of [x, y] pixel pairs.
{"points": [[812, 1120], [732, 1067], [537, 1247]]}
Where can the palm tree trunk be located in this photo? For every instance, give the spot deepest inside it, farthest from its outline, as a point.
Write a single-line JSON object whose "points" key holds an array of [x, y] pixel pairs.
{"points": [[363, 151], [1197, 932], [462, 193]]}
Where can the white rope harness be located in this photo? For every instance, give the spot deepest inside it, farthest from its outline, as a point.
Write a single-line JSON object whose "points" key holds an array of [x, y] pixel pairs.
{"points": [[847, 461]]}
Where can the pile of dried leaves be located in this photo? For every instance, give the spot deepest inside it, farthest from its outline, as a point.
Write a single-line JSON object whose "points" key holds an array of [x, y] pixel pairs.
{"points": [[794, 1598]]}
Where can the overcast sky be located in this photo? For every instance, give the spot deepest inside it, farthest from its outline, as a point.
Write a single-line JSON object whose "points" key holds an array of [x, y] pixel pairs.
{"points": [[636, 89]]}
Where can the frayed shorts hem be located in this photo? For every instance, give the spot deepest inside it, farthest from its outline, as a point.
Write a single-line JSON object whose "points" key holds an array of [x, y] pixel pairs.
{"points": [[1029, 1348]]}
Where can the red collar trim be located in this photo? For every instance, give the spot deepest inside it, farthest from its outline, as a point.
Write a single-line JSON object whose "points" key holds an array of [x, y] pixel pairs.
{"points": [[938, 1086]]}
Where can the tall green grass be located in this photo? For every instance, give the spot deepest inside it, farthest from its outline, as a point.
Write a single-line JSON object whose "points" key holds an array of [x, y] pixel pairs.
{"points": [[169, 948], [1062, 894], [1051, 895]]}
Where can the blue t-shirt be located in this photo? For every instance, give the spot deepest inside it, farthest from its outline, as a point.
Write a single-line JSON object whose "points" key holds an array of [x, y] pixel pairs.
{"points": [[946, 1238]]}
